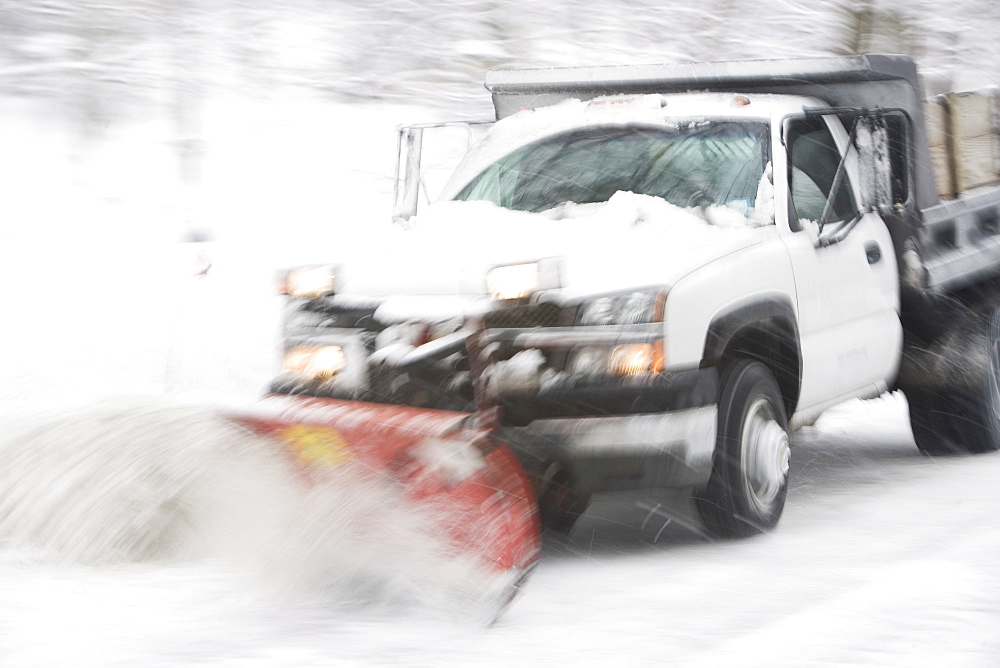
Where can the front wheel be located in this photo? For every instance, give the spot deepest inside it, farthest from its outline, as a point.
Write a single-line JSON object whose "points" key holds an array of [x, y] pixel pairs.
{"points": [[746, 491]]}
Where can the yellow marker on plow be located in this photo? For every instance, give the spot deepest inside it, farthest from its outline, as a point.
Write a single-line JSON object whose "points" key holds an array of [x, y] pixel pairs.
{"points": [[316, 446]]}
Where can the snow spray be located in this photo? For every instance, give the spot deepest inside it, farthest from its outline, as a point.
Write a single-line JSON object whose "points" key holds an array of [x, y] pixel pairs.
{"points": [[138, 481]]}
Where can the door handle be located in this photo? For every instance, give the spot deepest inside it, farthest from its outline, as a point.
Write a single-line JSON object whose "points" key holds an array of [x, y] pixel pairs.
{"points": [[873, 252]]}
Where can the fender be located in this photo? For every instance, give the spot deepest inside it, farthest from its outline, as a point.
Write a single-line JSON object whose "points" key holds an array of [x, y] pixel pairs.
{"points": [[755, 322]]}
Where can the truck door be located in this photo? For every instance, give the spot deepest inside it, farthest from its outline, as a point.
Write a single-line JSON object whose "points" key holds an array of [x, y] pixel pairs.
{"points": [[845, 269]]}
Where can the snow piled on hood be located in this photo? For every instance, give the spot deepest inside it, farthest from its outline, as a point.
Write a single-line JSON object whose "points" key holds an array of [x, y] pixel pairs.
{"points": [[629, 241]]}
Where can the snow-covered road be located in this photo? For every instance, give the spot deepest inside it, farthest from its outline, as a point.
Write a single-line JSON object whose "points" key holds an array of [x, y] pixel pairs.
{"points": [[882, 557]]}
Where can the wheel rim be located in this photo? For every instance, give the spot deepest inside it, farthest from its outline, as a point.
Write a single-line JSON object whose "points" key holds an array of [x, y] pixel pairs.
{"points": [[765, 454]]}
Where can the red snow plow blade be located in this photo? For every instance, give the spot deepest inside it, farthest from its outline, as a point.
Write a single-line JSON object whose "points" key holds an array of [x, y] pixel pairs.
{"points": [[456, 471]]}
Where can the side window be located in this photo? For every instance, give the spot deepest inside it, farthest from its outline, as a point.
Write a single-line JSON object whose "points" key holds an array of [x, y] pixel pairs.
{"points": [[813, 159]]}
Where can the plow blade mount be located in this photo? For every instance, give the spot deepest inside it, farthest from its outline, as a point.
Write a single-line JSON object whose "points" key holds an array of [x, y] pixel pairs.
{"points": [[474, 485]]}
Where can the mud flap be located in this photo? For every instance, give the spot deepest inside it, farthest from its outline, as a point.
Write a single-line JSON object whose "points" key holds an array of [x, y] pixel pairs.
{"points": [[473, 483]]}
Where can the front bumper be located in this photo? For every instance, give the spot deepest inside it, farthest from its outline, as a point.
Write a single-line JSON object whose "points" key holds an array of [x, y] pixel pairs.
{"points": [[608, 454], [620, 438], [578, 397]]}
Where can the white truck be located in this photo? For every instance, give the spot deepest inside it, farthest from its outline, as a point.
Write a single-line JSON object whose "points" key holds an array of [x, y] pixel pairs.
{"points": [[675, 267]]}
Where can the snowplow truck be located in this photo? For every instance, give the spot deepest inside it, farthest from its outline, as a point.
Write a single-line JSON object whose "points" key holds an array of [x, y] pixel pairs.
{"points": [[650, 276]]}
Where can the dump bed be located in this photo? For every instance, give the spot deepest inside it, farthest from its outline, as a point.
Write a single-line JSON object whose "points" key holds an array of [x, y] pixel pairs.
{"points": [[961, 235]]}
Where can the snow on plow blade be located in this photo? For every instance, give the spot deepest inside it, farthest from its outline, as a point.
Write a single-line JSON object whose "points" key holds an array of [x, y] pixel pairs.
{"points": [[473, 483]]}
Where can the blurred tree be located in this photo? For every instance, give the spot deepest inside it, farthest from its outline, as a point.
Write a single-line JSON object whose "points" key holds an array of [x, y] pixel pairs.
{"points": [[101, 59], [875, 29]]}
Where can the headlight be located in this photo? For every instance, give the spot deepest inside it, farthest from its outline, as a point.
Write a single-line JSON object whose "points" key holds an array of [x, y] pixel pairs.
{"points": [[309, 282], [315, 362], [627, 359], [629, 308], [514, 281], [600, 311]]}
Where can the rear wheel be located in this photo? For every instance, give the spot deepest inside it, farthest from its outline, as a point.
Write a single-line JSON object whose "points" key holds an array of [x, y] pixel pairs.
{"points": [[746, 491], [962, 420]]}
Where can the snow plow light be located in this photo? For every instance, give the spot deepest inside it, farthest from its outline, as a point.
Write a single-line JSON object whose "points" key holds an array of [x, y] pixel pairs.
{"points": [[315, 362], [308, 282], [515, 281]]}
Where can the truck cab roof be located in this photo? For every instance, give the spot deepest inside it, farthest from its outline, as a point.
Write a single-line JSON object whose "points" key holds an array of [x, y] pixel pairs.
{"points": [[667, 110]]}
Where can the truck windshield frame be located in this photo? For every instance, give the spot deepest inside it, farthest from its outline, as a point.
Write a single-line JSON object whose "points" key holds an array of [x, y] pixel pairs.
{"points": [[715, 161]]}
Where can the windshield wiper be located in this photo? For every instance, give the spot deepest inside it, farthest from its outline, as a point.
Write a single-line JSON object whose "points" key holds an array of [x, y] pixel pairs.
{"points": [[838, 180]]}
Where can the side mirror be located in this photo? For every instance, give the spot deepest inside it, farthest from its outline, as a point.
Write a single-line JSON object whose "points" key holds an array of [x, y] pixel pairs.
{"points": [[876, 170], [426, 166], [406, 191]]}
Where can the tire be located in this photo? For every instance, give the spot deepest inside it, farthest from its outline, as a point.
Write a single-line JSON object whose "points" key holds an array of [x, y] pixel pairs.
{"points": [[746, 491], [962, 421], [560, 505], [932, 427]]}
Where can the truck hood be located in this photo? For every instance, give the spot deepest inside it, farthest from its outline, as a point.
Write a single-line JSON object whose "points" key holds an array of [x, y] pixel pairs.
{"points": [[627, 242]]}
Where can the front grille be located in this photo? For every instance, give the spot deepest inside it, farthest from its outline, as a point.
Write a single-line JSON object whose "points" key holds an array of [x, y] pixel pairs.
{"points": [[545, 314], [343, 316]]}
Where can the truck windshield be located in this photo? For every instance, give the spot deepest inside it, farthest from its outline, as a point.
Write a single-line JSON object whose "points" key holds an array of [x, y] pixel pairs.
{"points": [[702, 164]]}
